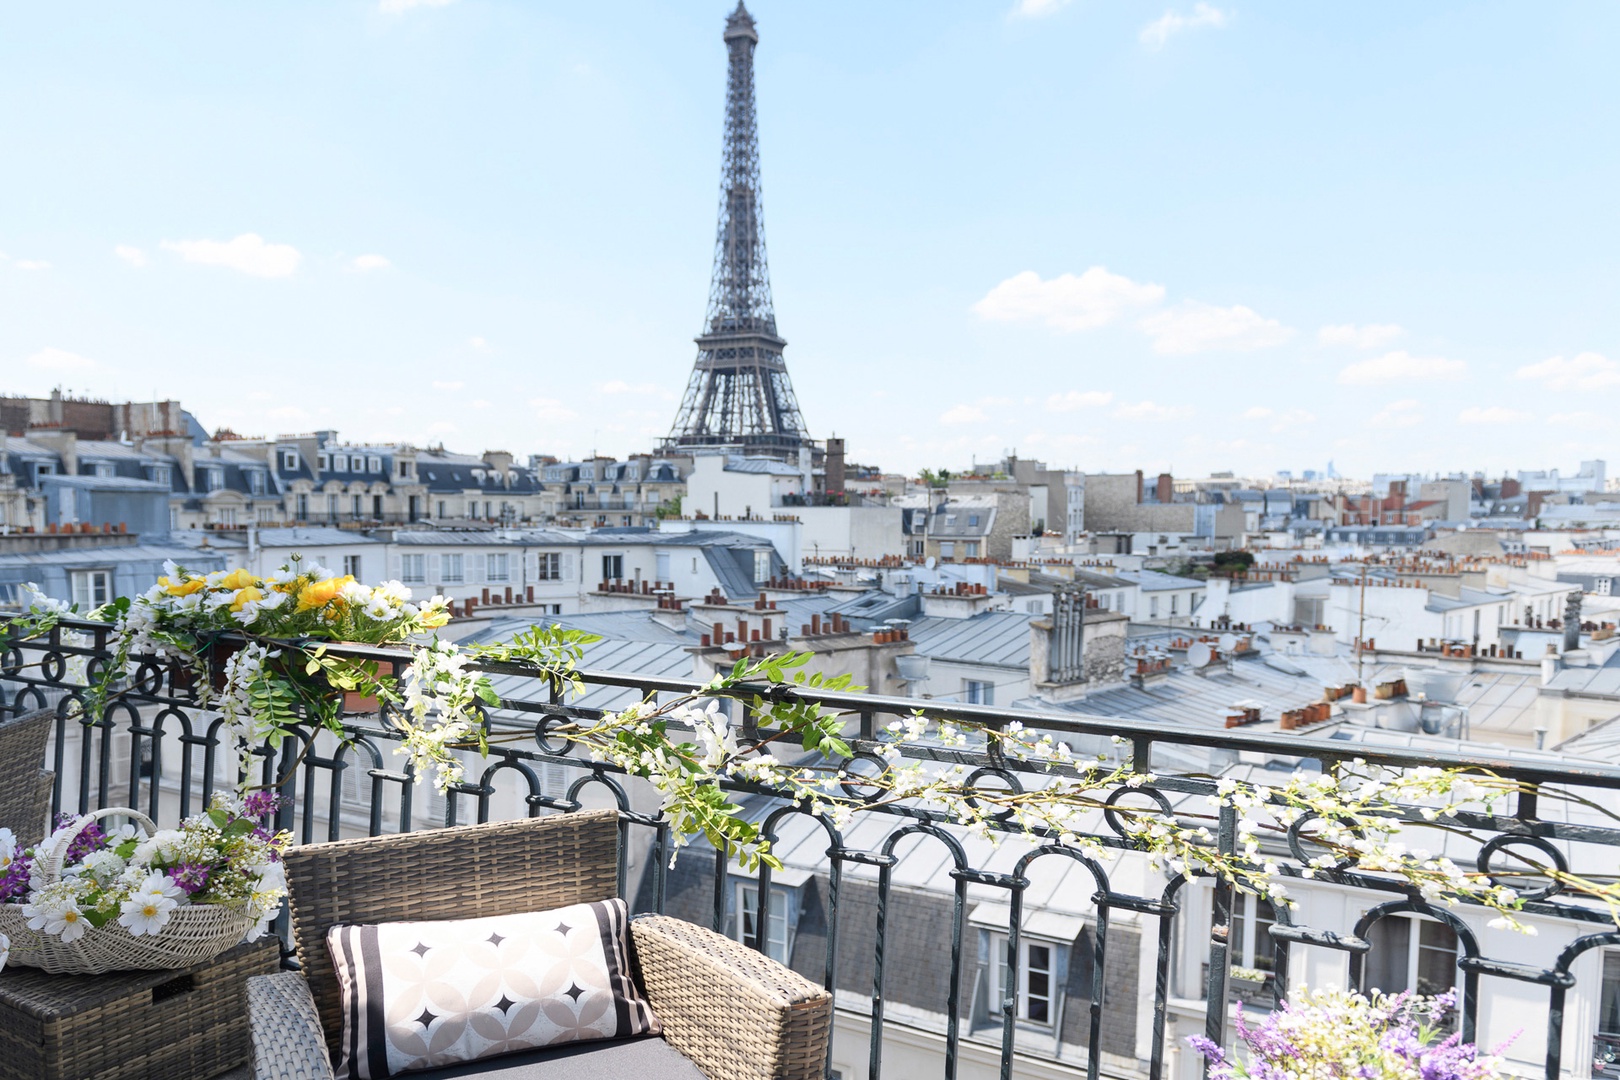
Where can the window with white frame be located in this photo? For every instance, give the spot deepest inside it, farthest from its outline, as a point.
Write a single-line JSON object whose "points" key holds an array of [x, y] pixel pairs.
{"points": [[267, 515], [1606, 1037], [451, 569], [975, 692], [971, 549], [413, 569], [947, 549], [374, 464], [226, 516], [762, 566], [550, 568], [213, 479], [1153, 607], [351, 566], [332, 507], [1036, 978], [1252, 920], [1411, 953], [612, 567], [91, 588], [105, 469], [289, 460], [498, 566], [340, 462], [783, 917], [472, 509], [256, 481], [1175, 604]]}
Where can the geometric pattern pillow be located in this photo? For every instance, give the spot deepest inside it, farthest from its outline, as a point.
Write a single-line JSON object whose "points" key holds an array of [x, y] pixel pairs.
{"points": [[422, 995]]}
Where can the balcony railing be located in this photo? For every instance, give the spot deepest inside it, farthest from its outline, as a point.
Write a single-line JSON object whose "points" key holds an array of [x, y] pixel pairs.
{"points": [[156, 750]]}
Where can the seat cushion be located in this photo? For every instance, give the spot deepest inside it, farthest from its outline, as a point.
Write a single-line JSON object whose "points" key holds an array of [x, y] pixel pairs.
{"points": [[623, 1059]]}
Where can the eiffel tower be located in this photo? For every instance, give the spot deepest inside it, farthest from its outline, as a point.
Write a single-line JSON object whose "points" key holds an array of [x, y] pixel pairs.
{"points": [[739, 397]]}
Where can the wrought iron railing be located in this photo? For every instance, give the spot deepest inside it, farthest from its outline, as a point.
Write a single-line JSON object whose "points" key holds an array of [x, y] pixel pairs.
{"points": [[155, 750]]}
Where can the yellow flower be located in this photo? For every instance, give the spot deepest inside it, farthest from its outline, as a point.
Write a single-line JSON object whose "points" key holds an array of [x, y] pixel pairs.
{"points": [[433, 618], [320, 593], [238, 579], [245, 597], [184, 587]]}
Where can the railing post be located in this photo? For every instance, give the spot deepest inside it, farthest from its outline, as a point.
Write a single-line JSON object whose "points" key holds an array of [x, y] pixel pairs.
{"points": [[1220, 935]]}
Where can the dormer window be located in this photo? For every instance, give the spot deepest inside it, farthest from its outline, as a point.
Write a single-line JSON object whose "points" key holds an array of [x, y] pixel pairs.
{"points": [[323, 462], [340, 462], [404, 470], [213, 479], [256, 482], [289, 460], [374, 464]]}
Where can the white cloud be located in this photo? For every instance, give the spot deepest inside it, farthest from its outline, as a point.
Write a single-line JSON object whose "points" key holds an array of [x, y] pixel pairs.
{"points": [[1580, 420], [1400, 366], [60, 360], [1281, 422], [478, 343], [962, 414], [132, 255], [1148, 410], [551, 409], [1079, 399], [1587, 371], [455, 385], [1037, 9], [1369, 336], [1066, 302], [1194, 327], [31, 264], [1156, 33], [1492, 414], [1258, 412], [480, 403], [1397, 414], [619, 386], [397, 7], [248, 253], [363, 263]]}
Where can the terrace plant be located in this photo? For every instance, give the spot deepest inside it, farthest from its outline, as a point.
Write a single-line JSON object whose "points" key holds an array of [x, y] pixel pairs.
{"points": [[269, 639]]}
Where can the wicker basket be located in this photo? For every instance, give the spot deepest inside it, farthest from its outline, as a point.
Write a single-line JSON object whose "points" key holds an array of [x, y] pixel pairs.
{"points": [[194, 934]]}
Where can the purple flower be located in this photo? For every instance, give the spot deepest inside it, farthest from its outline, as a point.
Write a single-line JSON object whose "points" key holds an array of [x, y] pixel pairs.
{"points": [[14, 882], [260, 804], [191, 877], [1208, 1047]]}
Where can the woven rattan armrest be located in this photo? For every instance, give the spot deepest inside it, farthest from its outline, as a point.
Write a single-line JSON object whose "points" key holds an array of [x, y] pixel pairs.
{"points": [[738, 1014], [287, 1040]]}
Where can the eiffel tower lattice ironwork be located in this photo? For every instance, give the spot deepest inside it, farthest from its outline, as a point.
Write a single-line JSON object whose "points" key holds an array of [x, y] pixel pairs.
{"points": [[739, 396]]}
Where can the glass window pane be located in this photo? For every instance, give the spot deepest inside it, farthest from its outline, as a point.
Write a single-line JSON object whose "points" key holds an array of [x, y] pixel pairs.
{"points": [[1038, 983], [1388, 961], [1264, 951], [1437, 958], [1609, 1009]]}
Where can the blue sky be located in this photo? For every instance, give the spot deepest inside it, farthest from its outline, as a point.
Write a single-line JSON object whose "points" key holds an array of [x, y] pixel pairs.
{"points": [[1113, 235]]}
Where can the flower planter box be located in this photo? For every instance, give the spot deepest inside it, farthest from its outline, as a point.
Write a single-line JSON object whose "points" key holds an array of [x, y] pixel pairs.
{"points": [[130, 1025]]}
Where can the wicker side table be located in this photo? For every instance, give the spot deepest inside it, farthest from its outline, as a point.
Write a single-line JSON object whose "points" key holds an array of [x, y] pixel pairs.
{"points": [[137, 1025]]}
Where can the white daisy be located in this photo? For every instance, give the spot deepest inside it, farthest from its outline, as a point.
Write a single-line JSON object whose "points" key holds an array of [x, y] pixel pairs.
{"points": [[145, 913]]}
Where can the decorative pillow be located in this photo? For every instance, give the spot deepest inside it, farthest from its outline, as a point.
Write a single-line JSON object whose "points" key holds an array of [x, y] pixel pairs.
{"points": [[421, 995]]}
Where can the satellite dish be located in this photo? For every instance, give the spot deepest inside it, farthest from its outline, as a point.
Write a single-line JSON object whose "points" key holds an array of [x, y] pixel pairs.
{"points": [[1200, 654], [930, 562], [1227, 643]]}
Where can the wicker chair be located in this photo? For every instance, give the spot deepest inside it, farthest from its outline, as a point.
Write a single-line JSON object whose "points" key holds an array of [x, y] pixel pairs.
{"points": [[25, 788], [728, 1012]]}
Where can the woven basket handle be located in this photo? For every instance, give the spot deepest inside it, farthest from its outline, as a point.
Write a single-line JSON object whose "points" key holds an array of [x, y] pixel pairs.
{"points": [[52, 865]]}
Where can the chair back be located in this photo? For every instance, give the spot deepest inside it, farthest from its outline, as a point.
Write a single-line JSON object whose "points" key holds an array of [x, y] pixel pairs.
{"points": [[25, 786], [467, 872]]}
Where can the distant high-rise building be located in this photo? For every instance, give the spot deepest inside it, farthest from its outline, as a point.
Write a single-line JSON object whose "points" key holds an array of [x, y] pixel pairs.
{"points": [[739, 397]]}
